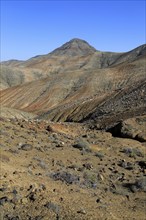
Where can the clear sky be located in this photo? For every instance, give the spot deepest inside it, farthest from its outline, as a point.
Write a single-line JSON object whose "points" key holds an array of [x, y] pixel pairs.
{"points": [[30, 28]]}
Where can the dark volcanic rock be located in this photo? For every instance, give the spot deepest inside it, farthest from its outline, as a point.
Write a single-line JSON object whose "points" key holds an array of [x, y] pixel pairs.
{"points": [[26, 147], [142, 164], [3, 200]]}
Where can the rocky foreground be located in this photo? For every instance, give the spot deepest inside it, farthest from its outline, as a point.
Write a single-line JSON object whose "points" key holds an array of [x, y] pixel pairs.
{"points": [[69, 171]]}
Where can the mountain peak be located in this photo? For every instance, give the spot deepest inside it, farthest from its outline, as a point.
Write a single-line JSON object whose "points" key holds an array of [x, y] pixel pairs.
{"points": [[75, 47], [77, 40]]}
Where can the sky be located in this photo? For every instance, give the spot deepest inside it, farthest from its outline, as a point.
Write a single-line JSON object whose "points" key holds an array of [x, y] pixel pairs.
{"points": [[35, 27]]}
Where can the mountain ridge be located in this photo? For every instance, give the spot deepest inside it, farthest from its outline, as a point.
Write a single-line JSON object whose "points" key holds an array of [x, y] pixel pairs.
{"points": [[73, 135], [68, 44], [15, 72], [61, 85]]}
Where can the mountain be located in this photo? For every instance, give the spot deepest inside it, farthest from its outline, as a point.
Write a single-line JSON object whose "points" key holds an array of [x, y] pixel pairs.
{"points": [[78, 83], [73, 135], [75, 47], [75, 55]]}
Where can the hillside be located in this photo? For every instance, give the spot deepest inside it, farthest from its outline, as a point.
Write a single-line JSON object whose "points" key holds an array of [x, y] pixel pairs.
{"points": [[72, 56], [68, 171], [88, 85], [73, 135]]}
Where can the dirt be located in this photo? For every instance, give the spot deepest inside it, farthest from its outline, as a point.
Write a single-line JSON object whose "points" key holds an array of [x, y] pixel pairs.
{"points": [[89, 161], [44, 176]]}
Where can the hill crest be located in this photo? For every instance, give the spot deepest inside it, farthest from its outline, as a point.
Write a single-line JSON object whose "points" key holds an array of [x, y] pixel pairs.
{"points": [[74, 47]]}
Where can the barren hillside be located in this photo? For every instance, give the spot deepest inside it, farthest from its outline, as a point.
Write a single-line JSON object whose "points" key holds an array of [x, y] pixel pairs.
{"points": [[73, 135], [78, 83]]}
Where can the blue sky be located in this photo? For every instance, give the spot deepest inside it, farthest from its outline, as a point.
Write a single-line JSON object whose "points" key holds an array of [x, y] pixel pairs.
{"points": [[30, 28]]}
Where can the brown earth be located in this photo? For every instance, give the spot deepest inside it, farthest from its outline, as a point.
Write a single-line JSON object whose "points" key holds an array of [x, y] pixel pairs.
{"points": [[73, 125], [75, 96], [67, 171]]}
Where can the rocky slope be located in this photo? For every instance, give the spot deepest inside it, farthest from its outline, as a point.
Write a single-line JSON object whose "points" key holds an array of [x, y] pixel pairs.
{"points": [[68, 171], [12, 113], [72, 56], [98, 95], [73, 135]]}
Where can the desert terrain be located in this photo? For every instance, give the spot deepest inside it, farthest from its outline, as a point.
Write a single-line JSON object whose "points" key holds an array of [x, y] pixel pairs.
{"points": [[73, 135]]}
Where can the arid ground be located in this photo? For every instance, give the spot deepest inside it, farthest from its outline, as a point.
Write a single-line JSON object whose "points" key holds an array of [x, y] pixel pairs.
{"points": [[73, 135]]}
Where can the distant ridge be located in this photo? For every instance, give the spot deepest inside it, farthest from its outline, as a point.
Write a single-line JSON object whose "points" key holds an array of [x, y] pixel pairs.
{"points": [[77, 83]]}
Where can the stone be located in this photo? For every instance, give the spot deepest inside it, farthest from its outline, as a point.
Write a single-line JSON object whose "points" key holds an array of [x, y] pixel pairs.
{"points": [[126, 165], [142, 164], [3, 200], [24, 201], [52, 206], [82, 211], [26, 147]]}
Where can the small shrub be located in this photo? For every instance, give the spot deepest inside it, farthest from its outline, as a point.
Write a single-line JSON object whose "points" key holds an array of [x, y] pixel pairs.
{"points": [[90, 179], [138, 185], [100, 155], [53, 207], [65, 177], [82, 145], [133, 152]]}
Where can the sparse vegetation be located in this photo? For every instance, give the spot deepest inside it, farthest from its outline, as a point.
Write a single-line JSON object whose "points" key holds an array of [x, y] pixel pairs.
{"points": [[65, 170], [82, 145]]}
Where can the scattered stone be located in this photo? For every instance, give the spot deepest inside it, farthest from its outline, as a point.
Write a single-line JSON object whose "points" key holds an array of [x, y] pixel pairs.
{"points": [[38, 217], [15, 218], [88, 166], [85, 136], [82, 211], [126, 165], [24, 201], [98, 200], [52, 206], [73, 166], [55, 136], [41, 196], [43, 165], [50, 128], [59, 143], [142, 164], [2, 189], [14, 192], [32, 196], [26, 147], [16, 199], [3, 200]]}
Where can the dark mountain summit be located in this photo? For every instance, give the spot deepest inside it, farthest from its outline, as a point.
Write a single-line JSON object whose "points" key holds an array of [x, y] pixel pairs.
{"points": [[75, 47]]}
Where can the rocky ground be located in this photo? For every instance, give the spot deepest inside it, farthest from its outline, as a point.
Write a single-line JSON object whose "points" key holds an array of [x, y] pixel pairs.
{"points": [[69, 171], [94, 169]]}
